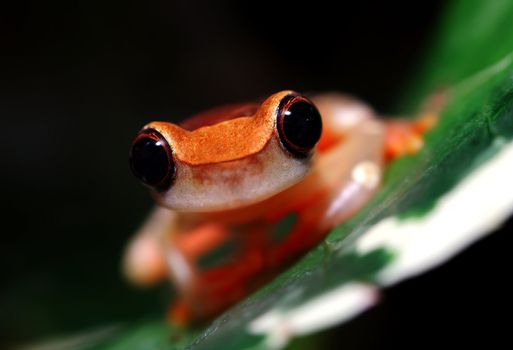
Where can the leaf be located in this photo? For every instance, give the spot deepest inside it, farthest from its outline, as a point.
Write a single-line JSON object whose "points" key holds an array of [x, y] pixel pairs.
{"points": [[471, 59]]}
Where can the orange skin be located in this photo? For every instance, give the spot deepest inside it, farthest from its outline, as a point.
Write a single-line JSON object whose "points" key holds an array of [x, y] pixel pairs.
{"points": [[213, 217]]}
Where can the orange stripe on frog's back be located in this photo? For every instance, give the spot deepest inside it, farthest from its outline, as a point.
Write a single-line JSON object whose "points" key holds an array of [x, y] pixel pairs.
{"points": [[218, 115]]}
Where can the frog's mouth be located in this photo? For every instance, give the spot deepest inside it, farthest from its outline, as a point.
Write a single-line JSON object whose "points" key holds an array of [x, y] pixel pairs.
{"points": [[236, 183]]}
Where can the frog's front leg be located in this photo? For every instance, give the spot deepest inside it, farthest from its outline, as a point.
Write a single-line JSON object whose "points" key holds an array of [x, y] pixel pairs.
{"points": [[201, 257], [169, 244], [144, 261], [151, 256]]}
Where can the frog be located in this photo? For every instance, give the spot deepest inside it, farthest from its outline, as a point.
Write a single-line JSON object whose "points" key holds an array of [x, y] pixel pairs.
{"points": [[245, 190]]}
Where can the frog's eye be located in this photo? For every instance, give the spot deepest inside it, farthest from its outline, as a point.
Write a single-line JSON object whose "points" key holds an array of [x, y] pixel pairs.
{"points": [[151, 160], [299, 124]]}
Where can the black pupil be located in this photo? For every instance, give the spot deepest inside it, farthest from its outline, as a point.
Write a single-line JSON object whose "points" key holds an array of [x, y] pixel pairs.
{"points": [[149, 160], [302, 125]]}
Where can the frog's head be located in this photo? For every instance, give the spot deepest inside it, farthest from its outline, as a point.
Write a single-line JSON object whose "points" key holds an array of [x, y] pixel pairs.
{"points": [[232, 159]]}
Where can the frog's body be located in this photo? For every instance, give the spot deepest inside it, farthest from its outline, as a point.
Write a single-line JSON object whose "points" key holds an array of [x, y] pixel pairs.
{"points": [[247, 200]]}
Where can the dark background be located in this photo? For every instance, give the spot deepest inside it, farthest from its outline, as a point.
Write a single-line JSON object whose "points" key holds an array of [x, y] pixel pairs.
{"points": [[78, 79]]}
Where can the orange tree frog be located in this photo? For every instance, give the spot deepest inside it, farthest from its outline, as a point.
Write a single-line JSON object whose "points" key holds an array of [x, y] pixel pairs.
{"points": [[244, 190]]}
